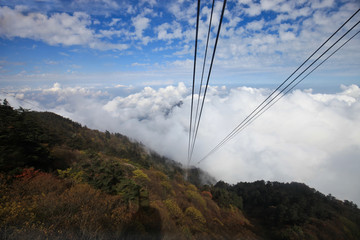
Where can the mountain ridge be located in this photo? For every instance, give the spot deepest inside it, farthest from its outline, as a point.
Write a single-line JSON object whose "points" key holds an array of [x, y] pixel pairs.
{"points": [[60, 180]]}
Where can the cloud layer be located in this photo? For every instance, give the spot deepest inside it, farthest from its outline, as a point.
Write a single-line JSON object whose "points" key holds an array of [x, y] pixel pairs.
{"points": [[307, 137], [57, 29]]}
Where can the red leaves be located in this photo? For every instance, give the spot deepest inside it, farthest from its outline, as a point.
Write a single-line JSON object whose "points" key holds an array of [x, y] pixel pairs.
{"points": [[206, 194], [29, 173]]}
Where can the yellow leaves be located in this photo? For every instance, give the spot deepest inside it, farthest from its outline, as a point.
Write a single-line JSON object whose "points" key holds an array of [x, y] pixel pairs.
{"points": [[13, 211], [76, 176], [216, 220], [195, 215], [64, 173], [140, 177], [167, 187], [173, 209], [46, 206], [192, 187], [160, 175], [195, 197]]}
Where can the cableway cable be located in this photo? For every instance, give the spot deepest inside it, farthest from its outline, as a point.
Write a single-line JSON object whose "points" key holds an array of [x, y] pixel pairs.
{"points": [[289, 90], [193, 84], [256, 112], [244, 123], [204, 63], [275, 101], [260, 105], [208, 78]]}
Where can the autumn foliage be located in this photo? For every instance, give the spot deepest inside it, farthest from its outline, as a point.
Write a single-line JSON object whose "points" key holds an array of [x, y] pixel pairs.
{"points": [[59, 180]]}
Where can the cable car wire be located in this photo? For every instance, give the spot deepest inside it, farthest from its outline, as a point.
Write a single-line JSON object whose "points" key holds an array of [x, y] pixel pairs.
{"points": [[255, 112], [204, 63], [208, 78], [193, 84]]}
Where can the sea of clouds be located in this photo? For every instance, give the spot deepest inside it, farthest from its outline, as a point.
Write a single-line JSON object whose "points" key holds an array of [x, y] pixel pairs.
{"points": [[306, 137]]}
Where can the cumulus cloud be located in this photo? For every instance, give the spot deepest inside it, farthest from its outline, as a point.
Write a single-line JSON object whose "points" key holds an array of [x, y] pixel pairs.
{"points": [[59, 28], [64, 94], [306, 137], [140, 23], [288, 38], [168, 31], [267, 36]]}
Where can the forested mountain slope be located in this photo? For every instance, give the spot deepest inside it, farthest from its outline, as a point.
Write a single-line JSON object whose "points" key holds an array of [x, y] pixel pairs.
{"points": [[60, 180]]}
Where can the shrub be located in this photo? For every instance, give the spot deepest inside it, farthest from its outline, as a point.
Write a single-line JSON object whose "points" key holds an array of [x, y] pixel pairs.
{"points": [[160, 176], [192, 187], [46, 207], [128, 189], [140, 177], [216, 220], [173, 209], [225, 198], [195, 215], [206, 194], [167, 187], [104, 174], [195, 196], [28, 173], [76, 176]]}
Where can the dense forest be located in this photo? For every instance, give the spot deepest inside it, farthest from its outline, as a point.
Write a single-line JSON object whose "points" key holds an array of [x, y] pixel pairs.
{"points": [[61, 180]]}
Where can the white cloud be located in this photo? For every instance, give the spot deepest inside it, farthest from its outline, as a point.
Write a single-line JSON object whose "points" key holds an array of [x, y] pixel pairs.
{"points": [[114, 21], [184, 11], [121, 86], [136, 64], [306, 137], [51, 62], [322, 3], [286, 36], [271, 43], [140, 24], [270, 4], [186, 50], [63, 93], [253, 9], [59, 28], [92, 6], [168, 31], [150, 2], [255, 25]]}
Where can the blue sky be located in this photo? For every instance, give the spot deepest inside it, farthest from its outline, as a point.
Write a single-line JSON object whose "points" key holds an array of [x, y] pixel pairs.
{"points": [[149, 43], [126, 66]]}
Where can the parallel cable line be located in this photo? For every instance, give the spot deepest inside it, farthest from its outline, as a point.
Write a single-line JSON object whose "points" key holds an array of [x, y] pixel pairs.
{"points": [[193, 84], [260, 105], [208, 78], [243, 124], [204, 63], [253, 115], [289, 90]]}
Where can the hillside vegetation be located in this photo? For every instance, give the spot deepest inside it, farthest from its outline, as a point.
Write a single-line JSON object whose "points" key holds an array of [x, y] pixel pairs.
{"points": [[60, 180]]}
